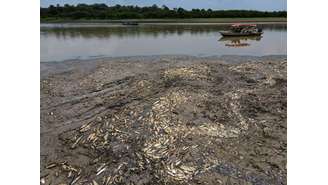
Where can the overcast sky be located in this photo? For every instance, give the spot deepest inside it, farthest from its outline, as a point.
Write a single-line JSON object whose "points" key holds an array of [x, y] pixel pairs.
{"points": [[187, 4]]}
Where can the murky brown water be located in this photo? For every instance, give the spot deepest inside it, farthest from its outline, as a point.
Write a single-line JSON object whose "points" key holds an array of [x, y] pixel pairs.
{"points": [[86, 41]]}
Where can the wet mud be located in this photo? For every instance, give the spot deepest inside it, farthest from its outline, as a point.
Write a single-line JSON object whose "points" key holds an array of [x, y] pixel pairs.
{"points": [[164, 121]]}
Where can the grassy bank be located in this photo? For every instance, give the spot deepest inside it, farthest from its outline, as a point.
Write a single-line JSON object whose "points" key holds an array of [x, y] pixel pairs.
{"points": [[195, 20]]}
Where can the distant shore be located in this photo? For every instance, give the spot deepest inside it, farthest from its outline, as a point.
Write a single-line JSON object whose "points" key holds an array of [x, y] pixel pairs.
{"points": [[194, 20]]}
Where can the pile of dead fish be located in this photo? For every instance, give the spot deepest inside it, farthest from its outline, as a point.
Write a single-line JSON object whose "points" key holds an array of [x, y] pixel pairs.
{"points": [[196, 72], [167, 150]]}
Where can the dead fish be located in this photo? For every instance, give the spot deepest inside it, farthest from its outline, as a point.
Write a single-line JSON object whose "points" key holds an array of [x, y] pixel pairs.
{"points": [[69, 174], [102, 170], [185, 147], [101, 166], [119, 167], [68, 168], [43, 180], [187, 168], [106, 136], [96, 160], [76, 142], [177, 163], [121, 131], [63, 163], [194, 146], [75, 180], [51, 165], [91, 137], [94, 182], [108, 180], [85, 127]]}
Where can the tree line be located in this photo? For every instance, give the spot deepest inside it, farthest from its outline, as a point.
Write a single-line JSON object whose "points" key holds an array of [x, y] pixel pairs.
{"points": [[103, 11]]}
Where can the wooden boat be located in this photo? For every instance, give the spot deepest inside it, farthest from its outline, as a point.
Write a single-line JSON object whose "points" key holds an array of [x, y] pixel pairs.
{"points": [[242, 30]]}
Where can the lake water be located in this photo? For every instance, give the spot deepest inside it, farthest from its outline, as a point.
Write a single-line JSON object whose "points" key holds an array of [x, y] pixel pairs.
{"points": [[86, 41]]}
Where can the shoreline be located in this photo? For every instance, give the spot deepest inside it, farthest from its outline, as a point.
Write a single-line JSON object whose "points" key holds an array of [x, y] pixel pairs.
{"points": [[44, 24], [54, 65], [195, 20], [151, 57]]}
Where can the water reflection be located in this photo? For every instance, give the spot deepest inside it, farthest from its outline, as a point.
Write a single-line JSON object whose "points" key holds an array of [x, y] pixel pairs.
{"points": [[137, 31], [121, 32], [240, 41]]}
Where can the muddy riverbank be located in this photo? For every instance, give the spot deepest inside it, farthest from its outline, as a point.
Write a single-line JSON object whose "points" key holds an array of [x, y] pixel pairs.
{"points": [[164, 120]]}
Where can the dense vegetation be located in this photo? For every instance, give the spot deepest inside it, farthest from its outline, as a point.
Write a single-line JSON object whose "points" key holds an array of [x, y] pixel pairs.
{"points": [[102, 11]]}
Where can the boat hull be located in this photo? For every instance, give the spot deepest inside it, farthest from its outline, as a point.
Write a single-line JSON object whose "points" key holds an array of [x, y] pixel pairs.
{"points": [[236, 34]]}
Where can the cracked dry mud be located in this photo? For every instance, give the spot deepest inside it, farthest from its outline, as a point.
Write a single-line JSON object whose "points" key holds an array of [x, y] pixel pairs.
{"points": [[167, 122]]}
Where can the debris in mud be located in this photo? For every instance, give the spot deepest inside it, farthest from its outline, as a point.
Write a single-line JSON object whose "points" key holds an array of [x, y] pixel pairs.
{"points": [[197, 123]]}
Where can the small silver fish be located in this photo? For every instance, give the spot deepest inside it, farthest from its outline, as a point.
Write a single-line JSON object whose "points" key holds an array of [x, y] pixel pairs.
{"points": [[51, 165], [43, 180], [102, 170], [95, 182], [75, 180]]}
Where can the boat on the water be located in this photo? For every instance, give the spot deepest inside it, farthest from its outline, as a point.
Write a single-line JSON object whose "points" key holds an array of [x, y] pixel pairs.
{"points": [[242, 30]]}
